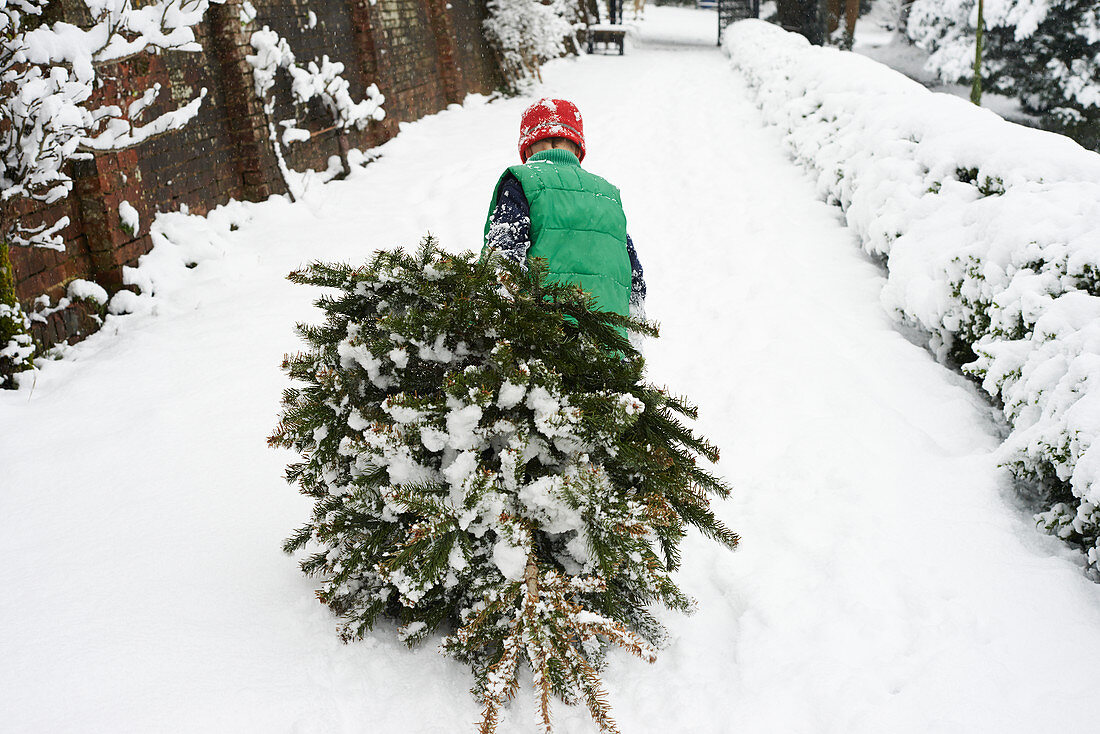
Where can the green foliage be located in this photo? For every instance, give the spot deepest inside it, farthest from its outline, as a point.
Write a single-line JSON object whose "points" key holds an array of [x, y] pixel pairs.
{"points": [[987, 185], [488, 462], [16, 345], [1046, 55], [1056, 67]]}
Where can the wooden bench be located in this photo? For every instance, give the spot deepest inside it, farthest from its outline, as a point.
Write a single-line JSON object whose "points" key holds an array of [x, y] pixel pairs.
{"points": [[606, 34]]}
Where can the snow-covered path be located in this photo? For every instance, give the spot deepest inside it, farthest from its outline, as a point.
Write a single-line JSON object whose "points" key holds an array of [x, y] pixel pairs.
{"points": [[885, 583]]}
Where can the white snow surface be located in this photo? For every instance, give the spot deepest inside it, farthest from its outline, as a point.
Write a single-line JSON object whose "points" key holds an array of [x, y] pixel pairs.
{"points": [[129, 217], [87, 290], [886, 581]]}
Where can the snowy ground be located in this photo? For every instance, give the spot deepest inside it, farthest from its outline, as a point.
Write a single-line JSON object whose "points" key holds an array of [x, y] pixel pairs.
{"points": [[886, 582]]}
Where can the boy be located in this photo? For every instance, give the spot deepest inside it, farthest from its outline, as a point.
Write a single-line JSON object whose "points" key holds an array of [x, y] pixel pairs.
{"points": [[550, 207]]}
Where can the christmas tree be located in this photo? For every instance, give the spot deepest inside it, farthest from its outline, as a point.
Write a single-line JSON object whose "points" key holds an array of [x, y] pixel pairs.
{"points": [[487, 462]]}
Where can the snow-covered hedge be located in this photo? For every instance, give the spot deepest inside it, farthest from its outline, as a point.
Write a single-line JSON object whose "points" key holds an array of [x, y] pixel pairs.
{"points": [[990, 232]]}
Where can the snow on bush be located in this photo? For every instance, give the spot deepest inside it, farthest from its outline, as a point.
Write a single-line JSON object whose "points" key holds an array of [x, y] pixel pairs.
{"points": [[48, 74], [86, 290], [528, 33], [128, 215], [486, 460], [91, 294], [323, 82], [990, 234], [16, 346]]}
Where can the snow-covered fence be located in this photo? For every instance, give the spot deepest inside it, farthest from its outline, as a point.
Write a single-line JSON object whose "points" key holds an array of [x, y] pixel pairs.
{"points": [[990, 233]]}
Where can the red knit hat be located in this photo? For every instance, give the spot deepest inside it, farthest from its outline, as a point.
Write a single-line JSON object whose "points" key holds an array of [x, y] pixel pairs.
{"points": [[550, 118]]}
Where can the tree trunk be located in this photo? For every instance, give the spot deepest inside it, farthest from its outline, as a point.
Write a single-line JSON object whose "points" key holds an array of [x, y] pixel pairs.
{"points": [[833, 9], [851, 15], [976, 86], [803, 16], [903, 15]]}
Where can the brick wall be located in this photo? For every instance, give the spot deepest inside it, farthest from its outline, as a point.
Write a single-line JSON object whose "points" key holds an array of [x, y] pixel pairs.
{"points": [[196, 166], [422, 54], [474, 61], [408, 63]]}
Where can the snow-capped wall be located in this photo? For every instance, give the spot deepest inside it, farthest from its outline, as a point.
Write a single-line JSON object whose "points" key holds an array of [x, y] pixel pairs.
{"points": [[990, 232]]}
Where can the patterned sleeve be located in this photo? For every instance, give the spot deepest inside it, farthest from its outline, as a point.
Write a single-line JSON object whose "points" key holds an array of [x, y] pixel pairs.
{"points": [[637, 295], [510, 224], [637, 281]]}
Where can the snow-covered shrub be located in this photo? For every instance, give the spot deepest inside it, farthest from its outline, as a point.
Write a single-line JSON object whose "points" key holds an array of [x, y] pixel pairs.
{"points": [[87, 291], [323, 82], [129, 217], [947, 29], [486, 460], [91, 295], [1046, 52], [16, 345], [989, 231], [528, 33]]}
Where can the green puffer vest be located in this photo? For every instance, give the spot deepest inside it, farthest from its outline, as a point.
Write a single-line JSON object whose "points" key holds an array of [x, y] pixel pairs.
{"points": [[577, 226]]}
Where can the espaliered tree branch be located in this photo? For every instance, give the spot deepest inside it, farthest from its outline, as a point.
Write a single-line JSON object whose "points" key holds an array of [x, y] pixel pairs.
{"points": [[323, 82]]}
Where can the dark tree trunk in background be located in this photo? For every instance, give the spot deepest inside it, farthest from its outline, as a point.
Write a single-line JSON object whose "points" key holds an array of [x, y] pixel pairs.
{"points": [[833, 10], [976, 85], [903, 15], [803, 16], [851, 15]]}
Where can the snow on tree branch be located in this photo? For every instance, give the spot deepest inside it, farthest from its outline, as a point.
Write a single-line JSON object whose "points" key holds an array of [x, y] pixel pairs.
{"points": [[120, 132], [528, 33], [1045, 52], [48, 73], [323, 82]]}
